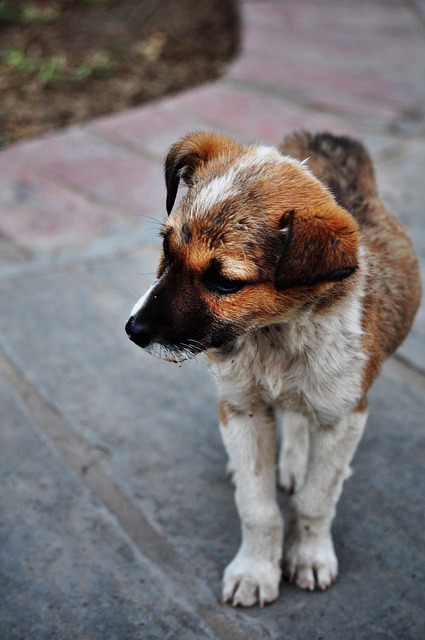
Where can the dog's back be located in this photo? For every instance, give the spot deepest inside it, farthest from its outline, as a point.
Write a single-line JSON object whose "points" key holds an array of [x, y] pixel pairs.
{"points": [[392, 291]]}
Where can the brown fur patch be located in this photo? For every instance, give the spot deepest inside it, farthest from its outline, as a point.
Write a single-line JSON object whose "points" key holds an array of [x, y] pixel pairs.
{"points": [[362, 405], [319, 246]]}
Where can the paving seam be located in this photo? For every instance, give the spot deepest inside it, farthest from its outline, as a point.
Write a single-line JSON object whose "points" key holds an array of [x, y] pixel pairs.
{"points": [[149, 542]]}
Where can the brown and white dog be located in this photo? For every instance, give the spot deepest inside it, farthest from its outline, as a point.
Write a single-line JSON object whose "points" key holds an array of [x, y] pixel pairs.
{"points": [[284, 267]]}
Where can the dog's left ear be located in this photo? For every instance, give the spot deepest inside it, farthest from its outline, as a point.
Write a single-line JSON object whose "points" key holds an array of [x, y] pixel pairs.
{"points": [[189, 154], [318, 246]]}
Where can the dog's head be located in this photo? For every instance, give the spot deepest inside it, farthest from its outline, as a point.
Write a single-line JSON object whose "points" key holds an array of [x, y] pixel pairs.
{"points": [[255, 239]]}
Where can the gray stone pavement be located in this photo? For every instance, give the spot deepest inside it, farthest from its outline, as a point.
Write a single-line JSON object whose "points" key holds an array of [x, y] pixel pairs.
{"points": [[117, 519]]}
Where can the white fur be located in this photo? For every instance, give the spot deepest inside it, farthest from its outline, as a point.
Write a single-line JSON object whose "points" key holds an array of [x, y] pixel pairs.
{"points": [[217, 190], [141, 301], [263, 153]]}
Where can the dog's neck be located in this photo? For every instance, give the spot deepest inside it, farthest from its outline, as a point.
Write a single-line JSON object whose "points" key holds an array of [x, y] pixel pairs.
{"points": [[306, 331], [292, 363]]}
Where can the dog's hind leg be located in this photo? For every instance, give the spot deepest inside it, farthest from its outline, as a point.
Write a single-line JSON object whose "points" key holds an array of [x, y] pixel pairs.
{"points": [[310, 558], [293, 452], [250, 439]]}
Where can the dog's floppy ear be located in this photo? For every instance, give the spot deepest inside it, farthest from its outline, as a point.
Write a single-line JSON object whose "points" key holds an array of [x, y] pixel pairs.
{"points": [[190, 153], [318, 246]]}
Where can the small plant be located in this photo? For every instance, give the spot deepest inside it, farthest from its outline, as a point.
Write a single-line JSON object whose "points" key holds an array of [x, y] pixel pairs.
{"points": [[100, 65], [31, 14], [23, 64], [28, 14], [48, 71], [152, 48], [51, 69]]}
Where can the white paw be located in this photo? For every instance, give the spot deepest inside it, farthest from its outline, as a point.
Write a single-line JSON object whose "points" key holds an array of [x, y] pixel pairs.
{"points": [[311, 562], [247, 581]]}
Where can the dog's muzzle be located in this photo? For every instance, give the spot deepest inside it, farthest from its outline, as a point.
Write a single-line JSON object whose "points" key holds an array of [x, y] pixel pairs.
{"points": [[144, 336], [173, 323]]}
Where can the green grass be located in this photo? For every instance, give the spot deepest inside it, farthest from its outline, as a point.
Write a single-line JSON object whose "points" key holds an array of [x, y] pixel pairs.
{"points": [[28, 14]]}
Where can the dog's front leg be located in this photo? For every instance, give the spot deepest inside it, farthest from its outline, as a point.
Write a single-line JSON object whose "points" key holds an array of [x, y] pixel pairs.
{"points": [[250, 439], [310, 558]]}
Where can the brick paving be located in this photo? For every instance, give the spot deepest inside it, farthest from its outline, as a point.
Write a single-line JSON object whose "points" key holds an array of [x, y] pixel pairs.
{"points": [[117, 519]]}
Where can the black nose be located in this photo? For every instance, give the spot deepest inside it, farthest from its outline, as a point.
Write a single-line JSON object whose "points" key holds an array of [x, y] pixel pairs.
{"points": [[139, 332]]}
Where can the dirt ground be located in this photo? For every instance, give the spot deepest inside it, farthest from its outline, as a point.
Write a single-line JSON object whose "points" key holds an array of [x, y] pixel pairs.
{"points": [[66, 61]]}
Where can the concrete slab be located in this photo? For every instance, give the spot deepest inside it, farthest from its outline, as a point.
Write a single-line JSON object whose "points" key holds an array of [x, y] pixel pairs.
{"points": [[37, 213], [342, 61], [68, 569], [93, 166]]}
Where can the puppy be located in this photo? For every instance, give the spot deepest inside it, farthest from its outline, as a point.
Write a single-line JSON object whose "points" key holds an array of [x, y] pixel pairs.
{"points": [[284, 267]]}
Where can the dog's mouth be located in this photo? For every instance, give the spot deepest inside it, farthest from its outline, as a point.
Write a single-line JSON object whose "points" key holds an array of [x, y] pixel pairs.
{"points": [[172, 353]]}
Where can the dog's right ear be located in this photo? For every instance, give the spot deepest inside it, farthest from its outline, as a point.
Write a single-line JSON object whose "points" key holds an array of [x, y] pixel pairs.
{"points": [[318, 246], [189, 154]]}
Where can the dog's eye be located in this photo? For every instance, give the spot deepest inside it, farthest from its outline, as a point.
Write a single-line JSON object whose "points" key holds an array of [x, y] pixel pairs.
{"points": [[223, 285]]}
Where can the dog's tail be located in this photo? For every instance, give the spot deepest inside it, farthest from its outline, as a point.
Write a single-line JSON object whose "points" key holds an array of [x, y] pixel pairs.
{"points": [[341, 163]]}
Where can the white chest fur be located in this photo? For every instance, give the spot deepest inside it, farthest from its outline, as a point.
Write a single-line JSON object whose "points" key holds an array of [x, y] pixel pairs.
{"points": [[312, 364]]}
